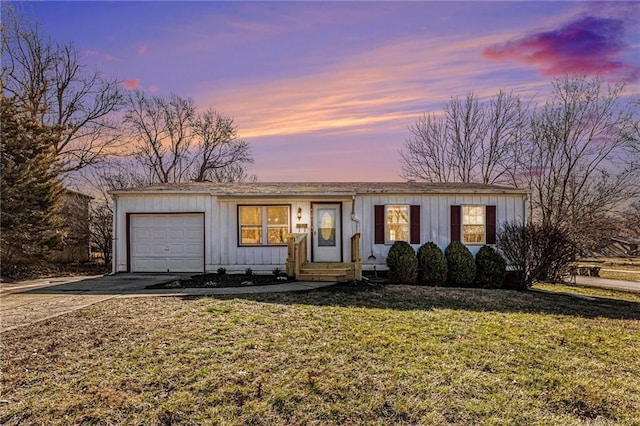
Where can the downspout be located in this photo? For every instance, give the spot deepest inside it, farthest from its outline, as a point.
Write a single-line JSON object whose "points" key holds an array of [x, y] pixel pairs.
{"points": [[114, 238], [353, 213]]}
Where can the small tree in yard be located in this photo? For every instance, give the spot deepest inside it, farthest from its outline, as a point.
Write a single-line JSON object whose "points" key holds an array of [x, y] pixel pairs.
{"points": [[402, 263], [538, 252], [491, 268], [460, 264], [432, 265]]}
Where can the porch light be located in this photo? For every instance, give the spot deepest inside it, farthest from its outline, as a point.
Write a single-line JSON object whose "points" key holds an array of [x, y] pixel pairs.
{"points": [[299, 213]]}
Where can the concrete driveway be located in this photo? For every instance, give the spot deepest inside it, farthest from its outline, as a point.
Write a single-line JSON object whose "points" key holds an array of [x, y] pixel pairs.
{"points": [[28, 302]]}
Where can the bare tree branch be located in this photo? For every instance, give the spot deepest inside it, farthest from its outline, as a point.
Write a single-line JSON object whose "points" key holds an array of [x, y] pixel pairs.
{"points": [[47, 82], [471, 142]]}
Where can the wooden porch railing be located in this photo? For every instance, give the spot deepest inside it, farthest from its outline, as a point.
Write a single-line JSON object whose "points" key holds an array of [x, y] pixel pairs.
{"points": [[296, 253], [355, 256]]}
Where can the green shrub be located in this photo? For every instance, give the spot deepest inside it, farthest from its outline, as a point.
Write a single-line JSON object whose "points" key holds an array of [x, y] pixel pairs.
{"points": [[222, 272], [491, 268], [432, 265], [402, 263], [461, 266]]}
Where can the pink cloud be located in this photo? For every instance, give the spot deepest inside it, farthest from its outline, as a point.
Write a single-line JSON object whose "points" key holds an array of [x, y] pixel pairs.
{"points": [[143, 50], [131, 84], [153, 88], [589, 45]]}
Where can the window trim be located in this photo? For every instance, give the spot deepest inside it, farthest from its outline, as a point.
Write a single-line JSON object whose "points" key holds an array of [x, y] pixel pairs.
{"points": [[386, 223], [263, 224], [484, 225]]}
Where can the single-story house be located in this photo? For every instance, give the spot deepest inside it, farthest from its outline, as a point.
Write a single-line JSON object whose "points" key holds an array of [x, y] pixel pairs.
{"points": [[300, 227]]}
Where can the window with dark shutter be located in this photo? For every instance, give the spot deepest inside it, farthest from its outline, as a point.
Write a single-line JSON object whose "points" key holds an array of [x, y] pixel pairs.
{"points": [[455, 223], [378, 211], [414, 216]]}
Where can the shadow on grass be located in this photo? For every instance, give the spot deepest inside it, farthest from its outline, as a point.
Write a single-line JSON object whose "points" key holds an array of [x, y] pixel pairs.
{"points": [[402, 297]]}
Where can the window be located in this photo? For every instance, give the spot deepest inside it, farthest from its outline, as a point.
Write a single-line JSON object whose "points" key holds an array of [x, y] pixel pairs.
{"points": [[260, 224], [473, 224], [397, 223]]}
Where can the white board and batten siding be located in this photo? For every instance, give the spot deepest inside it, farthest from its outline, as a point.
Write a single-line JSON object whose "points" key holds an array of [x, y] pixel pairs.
{"points": [[227, 251], [197, 230], [435, 218], [166, 232]]}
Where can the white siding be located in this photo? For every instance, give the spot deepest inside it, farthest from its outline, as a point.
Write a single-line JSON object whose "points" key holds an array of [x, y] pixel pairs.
{"points": [[221, 223], [434, 218], [152, 203]]}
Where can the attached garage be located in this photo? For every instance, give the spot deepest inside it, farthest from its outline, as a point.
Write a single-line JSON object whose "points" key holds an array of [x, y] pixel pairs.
{"points": [[171, 242]]}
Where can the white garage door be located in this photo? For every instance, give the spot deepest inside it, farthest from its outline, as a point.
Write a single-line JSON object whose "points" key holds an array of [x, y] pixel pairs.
{"points": [[167, 242]]}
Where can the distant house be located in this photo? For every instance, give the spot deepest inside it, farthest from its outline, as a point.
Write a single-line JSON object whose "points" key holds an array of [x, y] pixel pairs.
{"points": [[301, 227], [76, 234]]}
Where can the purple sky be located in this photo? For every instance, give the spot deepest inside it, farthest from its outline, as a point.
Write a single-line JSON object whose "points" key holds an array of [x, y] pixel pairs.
{"points": [[325, 91]]}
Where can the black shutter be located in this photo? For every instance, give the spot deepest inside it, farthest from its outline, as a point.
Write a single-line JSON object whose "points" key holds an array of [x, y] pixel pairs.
{"points": [[414, 231], [491, 224], [455, 223], [378, 224]]}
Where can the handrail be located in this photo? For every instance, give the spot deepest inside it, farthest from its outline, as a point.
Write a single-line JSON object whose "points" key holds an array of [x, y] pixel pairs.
{"points": [[355, 255], [296, 253]]}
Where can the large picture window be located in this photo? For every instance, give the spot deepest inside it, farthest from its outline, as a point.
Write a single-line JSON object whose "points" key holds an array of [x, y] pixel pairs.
{"points": [[397, 223], [473, 224], [263, 225]]}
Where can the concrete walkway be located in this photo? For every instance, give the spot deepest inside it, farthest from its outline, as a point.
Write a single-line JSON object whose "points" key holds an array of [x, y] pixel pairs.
{"points": [[606, 283], [28, 302]]}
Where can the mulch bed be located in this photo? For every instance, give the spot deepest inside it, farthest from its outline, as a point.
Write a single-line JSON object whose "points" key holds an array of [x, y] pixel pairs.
{"points": [[214, 280]]}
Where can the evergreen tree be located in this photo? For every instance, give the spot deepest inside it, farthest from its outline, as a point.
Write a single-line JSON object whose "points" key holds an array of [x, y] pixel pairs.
{"points": [[30, 191]]}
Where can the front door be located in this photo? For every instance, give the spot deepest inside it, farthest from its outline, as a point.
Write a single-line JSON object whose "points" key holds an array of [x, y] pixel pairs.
{"points": [[327, 232]]}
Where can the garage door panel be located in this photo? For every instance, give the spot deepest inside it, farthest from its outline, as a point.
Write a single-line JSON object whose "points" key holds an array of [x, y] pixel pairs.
{"points": [[177, 250], [142, 235], [159, 250], [177, 235], [159, 235], [167, 242], [141, 250], [192, 249], [179, 264], [192, 234]]}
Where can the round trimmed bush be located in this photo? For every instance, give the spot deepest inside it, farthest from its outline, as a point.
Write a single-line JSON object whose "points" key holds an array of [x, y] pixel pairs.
{"points": [[432, 265], [491, 268], [461, 266], [402, 263]]}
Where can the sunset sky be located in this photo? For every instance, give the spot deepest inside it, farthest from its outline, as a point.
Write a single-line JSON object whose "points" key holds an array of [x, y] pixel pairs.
{"points": [[325, 91]]}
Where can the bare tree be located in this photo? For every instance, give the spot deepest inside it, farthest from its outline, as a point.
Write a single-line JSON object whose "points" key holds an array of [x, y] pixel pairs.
{"points": [[47, 81], [471, 142], [219, 155], [173, 143], [113, 175], [578, 161], [160, 130]]}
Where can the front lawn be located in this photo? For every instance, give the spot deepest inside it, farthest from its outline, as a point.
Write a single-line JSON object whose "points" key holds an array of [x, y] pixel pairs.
{"points": [[390, 355]]}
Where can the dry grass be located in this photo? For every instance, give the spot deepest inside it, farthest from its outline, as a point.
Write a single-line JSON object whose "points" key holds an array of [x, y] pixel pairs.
{"points": [[393, 355]]}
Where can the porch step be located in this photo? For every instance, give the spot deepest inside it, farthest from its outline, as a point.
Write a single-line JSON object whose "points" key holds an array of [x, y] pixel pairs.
{"points": [[308, 276], [338, 272]]}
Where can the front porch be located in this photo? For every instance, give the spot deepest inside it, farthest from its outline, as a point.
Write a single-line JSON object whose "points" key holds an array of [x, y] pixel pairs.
{"points": [[299, 267]]}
